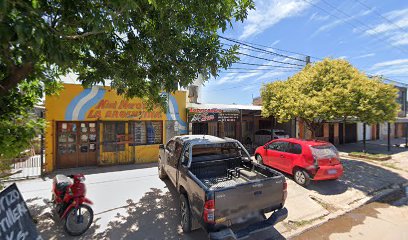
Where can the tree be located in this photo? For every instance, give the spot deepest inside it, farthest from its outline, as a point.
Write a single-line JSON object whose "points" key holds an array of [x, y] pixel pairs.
{"points": [[329, 90], [144, 47]]}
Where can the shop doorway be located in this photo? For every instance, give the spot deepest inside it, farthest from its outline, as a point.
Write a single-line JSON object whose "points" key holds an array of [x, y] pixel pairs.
{"points": [[331, 133], [115, 141], [351, 132], [76, 143], [341, 133], [200, 128]]}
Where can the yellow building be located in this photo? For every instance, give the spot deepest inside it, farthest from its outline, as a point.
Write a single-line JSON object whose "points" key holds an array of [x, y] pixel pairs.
{"points": [[95, 126]]}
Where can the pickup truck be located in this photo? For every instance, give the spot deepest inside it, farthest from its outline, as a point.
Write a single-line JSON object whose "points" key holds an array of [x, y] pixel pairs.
{"points": [[221, 189]]}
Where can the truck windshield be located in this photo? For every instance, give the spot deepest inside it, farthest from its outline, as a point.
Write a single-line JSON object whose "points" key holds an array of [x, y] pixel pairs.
{"points": [[324, 151], [209, 152]]}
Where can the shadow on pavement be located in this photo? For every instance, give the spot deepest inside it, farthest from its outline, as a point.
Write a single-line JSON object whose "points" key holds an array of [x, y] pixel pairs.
{"points": [[154, 216], [359, 175]]}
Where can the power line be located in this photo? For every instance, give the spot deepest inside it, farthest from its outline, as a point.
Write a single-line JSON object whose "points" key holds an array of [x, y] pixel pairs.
{"points": [[279, 49], [266, 65], [255, 71], [222, 89], [382, 16], [270, 60], [259, 69], [351, 17], [259, 49]]}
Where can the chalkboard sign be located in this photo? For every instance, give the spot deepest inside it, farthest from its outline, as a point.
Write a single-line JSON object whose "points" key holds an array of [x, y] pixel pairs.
{"points": [[15, 219]]}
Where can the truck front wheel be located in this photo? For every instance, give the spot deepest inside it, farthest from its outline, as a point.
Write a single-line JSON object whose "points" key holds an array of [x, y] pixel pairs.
{"points": [[185, 214], [162, 173]]}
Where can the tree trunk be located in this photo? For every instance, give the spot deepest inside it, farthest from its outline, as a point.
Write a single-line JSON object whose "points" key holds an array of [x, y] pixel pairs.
{"points": [[15, 76], [312, 126]]}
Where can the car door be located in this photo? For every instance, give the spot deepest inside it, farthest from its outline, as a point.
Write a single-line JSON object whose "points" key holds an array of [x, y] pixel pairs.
{"points": [[169, 153], [292, 153], [274, 153]]}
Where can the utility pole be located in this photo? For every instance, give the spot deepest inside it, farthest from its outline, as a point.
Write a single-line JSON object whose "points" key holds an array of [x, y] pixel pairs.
{"points": [[389, 136], [364, 138], [307, 60]]}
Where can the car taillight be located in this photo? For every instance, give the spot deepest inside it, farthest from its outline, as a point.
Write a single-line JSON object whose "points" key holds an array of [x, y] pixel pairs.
{"points": [[209, 210], [285, 192]]}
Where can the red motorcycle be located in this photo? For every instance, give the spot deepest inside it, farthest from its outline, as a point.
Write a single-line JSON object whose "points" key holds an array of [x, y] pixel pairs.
{"points": [[68, 197]]}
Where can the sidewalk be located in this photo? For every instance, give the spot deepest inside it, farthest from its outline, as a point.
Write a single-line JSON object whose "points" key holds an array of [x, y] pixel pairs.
{"points": [[399, 155]]}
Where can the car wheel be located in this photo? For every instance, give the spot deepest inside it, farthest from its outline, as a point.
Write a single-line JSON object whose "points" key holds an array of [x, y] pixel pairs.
{"points": [[162, 173], [301, 177], [185, 214], [259, 159]]}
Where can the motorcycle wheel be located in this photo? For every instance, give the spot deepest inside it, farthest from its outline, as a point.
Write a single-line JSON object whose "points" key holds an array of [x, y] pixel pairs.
{"points": [[78, 220]]}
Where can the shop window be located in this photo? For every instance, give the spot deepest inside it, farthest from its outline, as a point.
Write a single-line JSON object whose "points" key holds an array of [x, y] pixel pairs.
{"points": [[154, 132], [113, 134], [146, 132], [137, 131]]}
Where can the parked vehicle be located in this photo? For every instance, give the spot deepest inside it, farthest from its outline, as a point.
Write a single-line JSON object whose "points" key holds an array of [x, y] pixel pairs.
{"points": [[305, 159], [71, 204], [220, 186], [263, 136]]}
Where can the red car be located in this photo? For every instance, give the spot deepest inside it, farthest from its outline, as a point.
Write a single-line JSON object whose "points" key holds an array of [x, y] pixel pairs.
{"points": [[304, 159]]}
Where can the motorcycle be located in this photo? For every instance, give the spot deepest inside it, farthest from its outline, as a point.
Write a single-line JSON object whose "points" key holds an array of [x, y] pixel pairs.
{"points": [[70, 203]]}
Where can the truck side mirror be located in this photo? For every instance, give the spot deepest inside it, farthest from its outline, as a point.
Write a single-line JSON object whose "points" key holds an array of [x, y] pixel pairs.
{"points": [[265, 147], [161, 146]]}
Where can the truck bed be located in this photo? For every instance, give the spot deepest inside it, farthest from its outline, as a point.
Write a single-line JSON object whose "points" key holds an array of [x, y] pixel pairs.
{"points": [[224, 173]]}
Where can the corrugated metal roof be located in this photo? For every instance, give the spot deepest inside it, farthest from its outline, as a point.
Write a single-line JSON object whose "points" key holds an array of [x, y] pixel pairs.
{"points": [[222, 106]]}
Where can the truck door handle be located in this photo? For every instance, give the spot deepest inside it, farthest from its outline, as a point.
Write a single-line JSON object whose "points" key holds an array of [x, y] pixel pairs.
{"points": [[282, 156]]}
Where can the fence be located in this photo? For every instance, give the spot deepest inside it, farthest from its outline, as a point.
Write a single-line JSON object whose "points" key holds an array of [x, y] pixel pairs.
{"points": [[26, 168]]}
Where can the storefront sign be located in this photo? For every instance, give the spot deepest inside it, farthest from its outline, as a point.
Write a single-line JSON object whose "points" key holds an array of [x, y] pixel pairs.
{"points": [[122, 109], [15, 219], [213, 115], [204, 117]]}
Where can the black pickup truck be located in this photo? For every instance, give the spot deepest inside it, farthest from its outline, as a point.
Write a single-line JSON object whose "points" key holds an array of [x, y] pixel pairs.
{"points": [[221, 189]]}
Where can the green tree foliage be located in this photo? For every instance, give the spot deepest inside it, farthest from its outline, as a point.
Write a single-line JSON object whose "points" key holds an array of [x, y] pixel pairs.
{"points": [[143, 47], [330, 90]]}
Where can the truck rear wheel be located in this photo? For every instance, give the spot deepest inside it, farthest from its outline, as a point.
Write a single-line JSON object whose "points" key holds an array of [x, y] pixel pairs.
{"points": [[185, 214]]}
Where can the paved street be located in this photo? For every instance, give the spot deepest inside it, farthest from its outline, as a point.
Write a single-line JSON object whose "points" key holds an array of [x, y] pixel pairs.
{"points": [[131, 202], [373, 221]]}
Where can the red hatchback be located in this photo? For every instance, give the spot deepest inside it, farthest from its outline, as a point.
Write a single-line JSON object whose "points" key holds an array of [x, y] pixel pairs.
{"points": [[304, 159]]}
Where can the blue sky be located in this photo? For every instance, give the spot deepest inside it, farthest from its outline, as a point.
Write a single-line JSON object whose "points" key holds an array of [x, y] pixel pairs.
{"points": [[371, 34]]}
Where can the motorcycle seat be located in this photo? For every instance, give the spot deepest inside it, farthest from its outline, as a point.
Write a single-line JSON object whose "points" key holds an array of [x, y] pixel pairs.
{"points": [[62, 181]]}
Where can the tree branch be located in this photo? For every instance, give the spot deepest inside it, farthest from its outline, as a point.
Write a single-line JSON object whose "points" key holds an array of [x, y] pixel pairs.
{"points": [[15, 76], [83, 35]]}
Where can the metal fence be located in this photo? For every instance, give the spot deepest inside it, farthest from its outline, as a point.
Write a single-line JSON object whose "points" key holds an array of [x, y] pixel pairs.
{"points": [[26, 168]]}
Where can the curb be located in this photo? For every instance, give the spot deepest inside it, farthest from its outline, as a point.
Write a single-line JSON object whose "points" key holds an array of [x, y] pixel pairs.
{"points": [[381, 193]]}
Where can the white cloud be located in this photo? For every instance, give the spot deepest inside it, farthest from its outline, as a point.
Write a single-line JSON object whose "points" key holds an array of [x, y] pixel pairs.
{"points": [[394, 30], [338, 22], [268, 13], [365, 56], [343, 57], [316, 17], [392, 67]]}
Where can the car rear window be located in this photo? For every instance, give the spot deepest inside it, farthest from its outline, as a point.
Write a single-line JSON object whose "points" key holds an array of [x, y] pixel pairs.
{"points": [[324, 151], [280, 133], [208, 152]]}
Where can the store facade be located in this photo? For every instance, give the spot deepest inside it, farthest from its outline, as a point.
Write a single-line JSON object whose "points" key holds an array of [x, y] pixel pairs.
{"points": [[95, 126]]}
